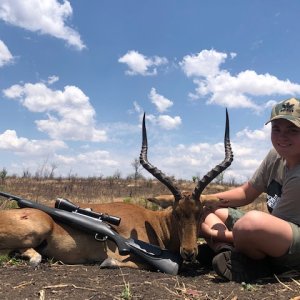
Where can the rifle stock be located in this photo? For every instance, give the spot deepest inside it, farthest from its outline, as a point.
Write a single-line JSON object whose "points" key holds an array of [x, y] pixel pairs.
{"points": [[163, 260]]}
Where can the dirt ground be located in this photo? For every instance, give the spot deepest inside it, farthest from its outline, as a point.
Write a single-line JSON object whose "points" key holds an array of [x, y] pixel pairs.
{"points": [[56, 281]]}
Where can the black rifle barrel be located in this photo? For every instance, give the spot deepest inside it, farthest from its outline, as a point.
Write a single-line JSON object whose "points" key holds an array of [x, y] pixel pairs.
{"points": [[67, 205], [162, 259]]}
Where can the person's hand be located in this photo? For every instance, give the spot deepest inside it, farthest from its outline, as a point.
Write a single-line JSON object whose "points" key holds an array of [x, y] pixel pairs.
{"points": [[212, 202]]}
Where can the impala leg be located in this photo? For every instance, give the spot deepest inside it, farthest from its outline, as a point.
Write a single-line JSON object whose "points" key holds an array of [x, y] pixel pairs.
{"points": [[113, 263], [31, 255], [115, 260], [22, 230]]}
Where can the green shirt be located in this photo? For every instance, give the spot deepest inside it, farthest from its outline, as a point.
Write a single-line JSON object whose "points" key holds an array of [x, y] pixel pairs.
{"points": [[281, 185]]}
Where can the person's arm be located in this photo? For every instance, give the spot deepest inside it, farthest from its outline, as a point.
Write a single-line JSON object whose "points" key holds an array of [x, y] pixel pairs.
{"points": [[247, 192], [236, 197]]}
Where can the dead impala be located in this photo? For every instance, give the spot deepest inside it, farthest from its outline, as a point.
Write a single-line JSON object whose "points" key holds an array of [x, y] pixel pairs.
{"points": [[34, 233]]}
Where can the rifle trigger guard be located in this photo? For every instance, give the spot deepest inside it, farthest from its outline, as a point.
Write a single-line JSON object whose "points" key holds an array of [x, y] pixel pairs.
{"points": [[100, 238]]}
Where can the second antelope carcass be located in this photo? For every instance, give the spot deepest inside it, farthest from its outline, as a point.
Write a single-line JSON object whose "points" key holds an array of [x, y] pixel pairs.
{"points": [[35, 234]]}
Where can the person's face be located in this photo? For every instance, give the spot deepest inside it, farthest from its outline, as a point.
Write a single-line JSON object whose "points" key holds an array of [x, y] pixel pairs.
{"points": [[285, 137]]}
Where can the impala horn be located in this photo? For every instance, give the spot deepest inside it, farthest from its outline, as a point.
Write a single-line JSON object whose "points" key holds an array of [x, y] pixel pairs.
{"points": [[218, 169], [153, 170]]}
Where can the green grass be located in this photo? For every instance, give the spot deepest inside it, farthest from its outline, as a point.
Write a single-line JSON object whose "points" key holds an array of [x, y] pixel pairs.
{"points": [[126, 293], [7, 260], [127, 200]]}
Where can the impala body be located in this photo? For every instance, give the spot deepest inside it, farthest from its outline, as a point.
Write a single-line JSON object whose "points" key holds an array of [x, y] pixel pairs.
{"points": [[34, 234]]}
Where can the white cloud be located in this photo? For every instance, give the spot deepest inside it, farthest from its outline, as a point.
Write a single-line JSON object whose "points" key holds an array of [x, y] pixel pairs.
{"points": [[70, 114], [45, 17], [161, 103], [163, 121], [168, 122], [257, 134], [52, 79], [91, 158], [137, 107], [249, 148], [95, 163], [5, 55], [139, 64], [10, 141], [199, 148], [206, 63], [41, 155], [195, 159], [228, 90]]}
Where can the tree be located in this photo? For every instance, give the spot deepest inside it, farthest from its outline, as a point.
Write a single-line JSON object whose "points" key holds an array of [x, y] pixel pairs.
{"points": [[3, 174], [52, 169], [137, 169]]}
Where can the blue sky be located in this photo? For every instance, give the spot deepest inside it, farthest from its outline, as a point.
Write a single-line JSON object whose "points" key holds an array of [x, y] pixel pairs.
{"points": [[76, 77]]}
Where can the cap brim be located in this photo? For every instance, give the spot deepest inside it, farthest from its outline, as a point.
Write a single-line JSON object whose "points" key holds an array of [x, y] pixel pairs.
{"points": [[290, 118]]}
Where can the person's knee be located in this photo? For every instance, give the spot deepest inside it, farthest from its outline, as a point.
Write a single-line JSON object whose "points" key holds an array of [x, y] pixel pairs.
{"points": [[247, 227], [222, 213], [249, 222]]}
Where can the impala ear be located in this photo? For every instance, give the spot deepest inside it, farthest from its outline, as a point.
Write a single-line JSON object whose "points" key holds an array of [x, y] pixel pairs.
{"points": [[162, 201]]}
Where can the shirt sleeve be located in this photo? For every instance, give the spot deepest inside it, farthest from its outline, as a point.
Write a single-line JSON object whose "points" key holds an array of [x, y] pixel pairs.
{"points": [[260, 179]]}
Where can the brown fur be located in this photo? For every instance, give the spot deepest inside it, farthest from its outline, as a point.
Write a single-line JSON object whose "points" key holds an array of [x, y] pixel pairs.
{"points": [[173, 228]]}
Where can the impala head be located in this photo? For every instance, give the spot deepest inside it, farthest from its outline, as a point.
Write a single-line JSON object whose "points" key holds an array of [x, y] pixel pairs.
{"points": [[187, 208]]}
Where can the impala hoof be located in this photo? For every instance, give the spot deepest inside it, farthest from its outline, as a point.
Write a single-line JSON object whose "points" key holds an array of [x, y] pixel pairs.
{"points": [[109, 263], [35, 261]]}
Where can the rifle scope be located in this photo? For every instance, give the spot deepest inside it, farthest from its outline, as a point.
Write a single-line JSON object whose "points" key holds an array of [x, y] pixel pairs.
{"points": [[67, 205]]}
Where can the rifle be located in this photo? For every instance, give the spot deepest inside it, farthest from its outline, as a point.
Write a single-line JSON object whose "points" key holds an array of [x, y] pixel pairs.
{"points": [[91, 222]]}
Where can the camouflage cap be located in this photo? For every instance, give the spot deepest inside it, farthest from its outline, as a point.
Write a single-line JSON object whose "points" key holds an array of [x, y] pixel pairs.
{"points": [[288, 109]]}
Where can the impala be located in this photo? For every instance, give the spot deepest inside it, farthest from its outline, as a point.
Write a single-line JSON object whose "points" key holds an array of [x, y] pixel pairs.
{"points": [[34, 234]]}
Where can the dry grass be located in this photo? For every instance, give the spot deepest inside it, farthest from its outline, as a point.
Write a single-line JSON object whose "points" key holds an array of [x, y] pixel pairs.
{"points": [[81, 190], [93, 190]]}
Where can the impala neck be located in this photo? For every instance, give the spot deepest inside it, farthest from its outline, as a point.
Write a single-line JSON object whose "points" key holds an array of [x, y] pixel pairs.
{"points": [[169, 234]]}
